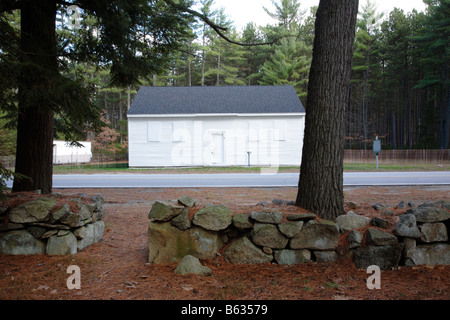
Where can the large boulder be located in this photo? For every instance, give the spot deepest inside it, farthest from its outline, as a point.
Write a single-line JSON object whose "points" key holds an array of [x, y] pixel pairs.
{"points": [[431, 254], [385, 257], [433, 232], [19, 242], [191, 265], [214, 218], [407, 227], [355, 238], [60, 212], [267, 216], [316, 235], [182, 220], [351, 221], [243, 251], [287, 256], [89, 234], [164, 211], [242, 221], [429, 214], [268, 235], [62, 245], [32, 211], [186, 201], [167, 243], [72, 219], [291, 229], [380, 238]]}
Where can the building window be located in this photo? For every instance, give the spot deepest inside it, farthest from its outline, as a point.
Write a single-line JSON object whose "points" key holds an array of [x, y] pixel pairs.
{"points": [[279, 127], [153, 131]]}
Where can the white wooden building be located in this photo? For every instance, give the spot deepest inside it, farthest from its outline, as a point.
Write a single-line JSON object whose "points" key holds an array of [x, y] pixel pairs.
{"points": [[65, 153], [216, 126]]}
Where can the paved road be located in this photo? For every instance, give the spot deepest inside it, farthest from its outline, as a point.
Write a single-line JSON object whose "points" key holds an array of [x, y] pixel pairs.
{"points": [[240, 180]]}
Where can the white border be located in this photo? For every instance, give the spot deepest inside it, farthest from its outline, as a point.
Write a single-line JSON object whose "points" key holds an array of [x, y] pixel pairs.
{"points": [[197, 115]]}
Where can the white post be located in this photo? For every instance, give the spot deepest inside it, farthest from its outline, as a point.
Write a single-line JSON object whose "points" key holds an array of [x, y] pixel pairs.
{"points": [[376, 149]]}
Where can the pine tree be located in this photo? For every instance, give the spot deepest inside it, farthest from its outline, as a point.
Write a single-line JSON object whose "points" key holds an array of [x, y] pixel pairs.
{"points": [[133, 38], [254, 56], [320, 186], [365, 73], [287, 12], [288, 65], [224, 58], [433, 39], [290, 61]]}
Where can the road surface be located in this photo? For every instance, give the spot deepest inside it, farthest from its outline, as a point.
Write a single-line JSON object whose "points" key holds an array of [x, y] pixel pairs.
{"points": [[240, 180]]}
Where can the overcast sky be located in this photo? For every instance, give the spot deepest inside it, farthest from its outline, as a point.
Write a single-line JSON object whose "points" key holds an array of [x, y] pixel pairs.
{"points": [[244, 11]]}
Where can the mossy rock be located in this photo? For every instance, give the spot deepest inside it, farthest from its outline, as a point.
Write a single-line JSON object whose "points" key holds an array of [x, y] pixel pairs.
{"points": [[214, 218], [168, 244]]}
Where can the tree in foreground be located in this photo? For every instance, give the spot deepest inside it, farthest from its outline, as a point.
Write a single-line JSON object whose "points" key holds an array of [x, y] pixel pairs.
{"points": [[133, 39], [320, 187]]}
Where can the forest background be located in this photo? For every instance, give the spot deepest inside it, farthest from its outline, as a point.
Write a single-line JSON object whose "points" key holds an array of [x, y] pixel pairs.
{"points": [[400, 81]]}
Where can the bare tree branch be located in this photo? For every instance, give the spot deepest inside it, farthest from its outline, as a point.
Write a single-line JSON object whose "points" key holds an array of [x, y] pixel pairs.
{"points": [[218, 29]]}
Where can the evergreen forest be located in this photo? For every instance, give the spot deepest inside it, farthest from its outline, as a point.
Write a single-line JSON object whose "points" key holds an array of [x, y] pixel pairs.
{"points": [[400, 89]]}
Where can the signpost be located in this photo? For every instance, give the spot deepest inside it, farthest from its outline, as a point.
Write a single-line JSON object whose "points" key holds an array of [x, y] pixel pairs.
{"points": [[376, 148]]}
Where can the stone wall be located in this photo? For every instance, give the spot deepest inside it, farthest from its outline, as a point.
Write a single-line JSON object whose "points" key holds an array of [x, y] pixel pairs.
{"points": [[268, 235], [53, 225]]}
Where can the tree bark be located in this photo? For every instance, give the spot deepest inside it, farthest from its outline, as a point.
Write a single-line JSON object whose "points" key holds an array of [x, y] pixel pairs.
{"points": [[320, 188], [38, 81]]}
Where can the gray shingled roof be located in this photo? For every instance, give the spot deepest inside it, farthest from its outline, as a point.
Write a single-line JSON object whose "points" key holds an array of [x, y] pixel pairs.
{"points": [[232, 99]]}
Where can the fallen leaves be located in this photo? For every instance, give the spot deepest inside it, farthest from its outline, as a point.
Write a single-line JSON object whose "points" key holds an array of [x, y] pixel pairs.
{"points": [[116, 268], [130, 284]]}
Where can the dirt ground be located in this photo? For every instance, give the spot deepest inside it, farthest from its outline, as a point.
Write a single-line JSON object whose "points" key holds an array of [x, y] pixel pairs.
{"points": [[116, 268]]}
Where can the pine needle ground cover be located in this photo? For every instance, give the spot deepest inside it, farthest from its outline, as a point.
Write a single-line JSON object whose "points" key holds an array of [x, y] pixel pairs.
{"points": [[117, 268]]}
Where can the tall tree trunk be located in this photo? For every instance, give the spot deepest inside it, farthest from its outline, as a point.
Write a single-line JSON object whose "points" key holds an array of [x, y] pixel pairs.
{"points": [[447, 122], [38, 81], [385, 113], [320, 186], [203, 55], [349, 121], [189, 67], [218, 70], [128, 98]]}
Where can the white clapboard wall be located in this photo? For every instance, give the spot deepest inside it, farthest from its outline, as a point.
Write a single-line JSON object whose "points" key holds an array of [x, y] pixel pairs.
{"points": [[64, 153], [215, 140]]}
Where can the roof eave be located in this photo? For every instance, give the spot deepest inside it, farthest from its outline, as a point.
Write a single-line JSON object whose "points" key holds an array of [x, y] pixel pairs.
{"points": [[197, 115]]}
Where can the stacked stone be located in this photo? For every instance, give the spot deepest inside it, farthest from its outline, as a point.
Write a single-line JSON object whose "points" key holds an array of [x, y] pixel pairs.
{"points": [[261, 237], [172, 235], [380, 248], [42, 226], [299, 239], [420, 236], [424, 232]]}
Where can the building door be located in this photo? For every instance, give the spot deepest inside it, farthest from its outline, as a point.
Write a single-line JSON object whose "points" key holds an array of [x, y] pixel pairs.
{"points": [[217, 150]]}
